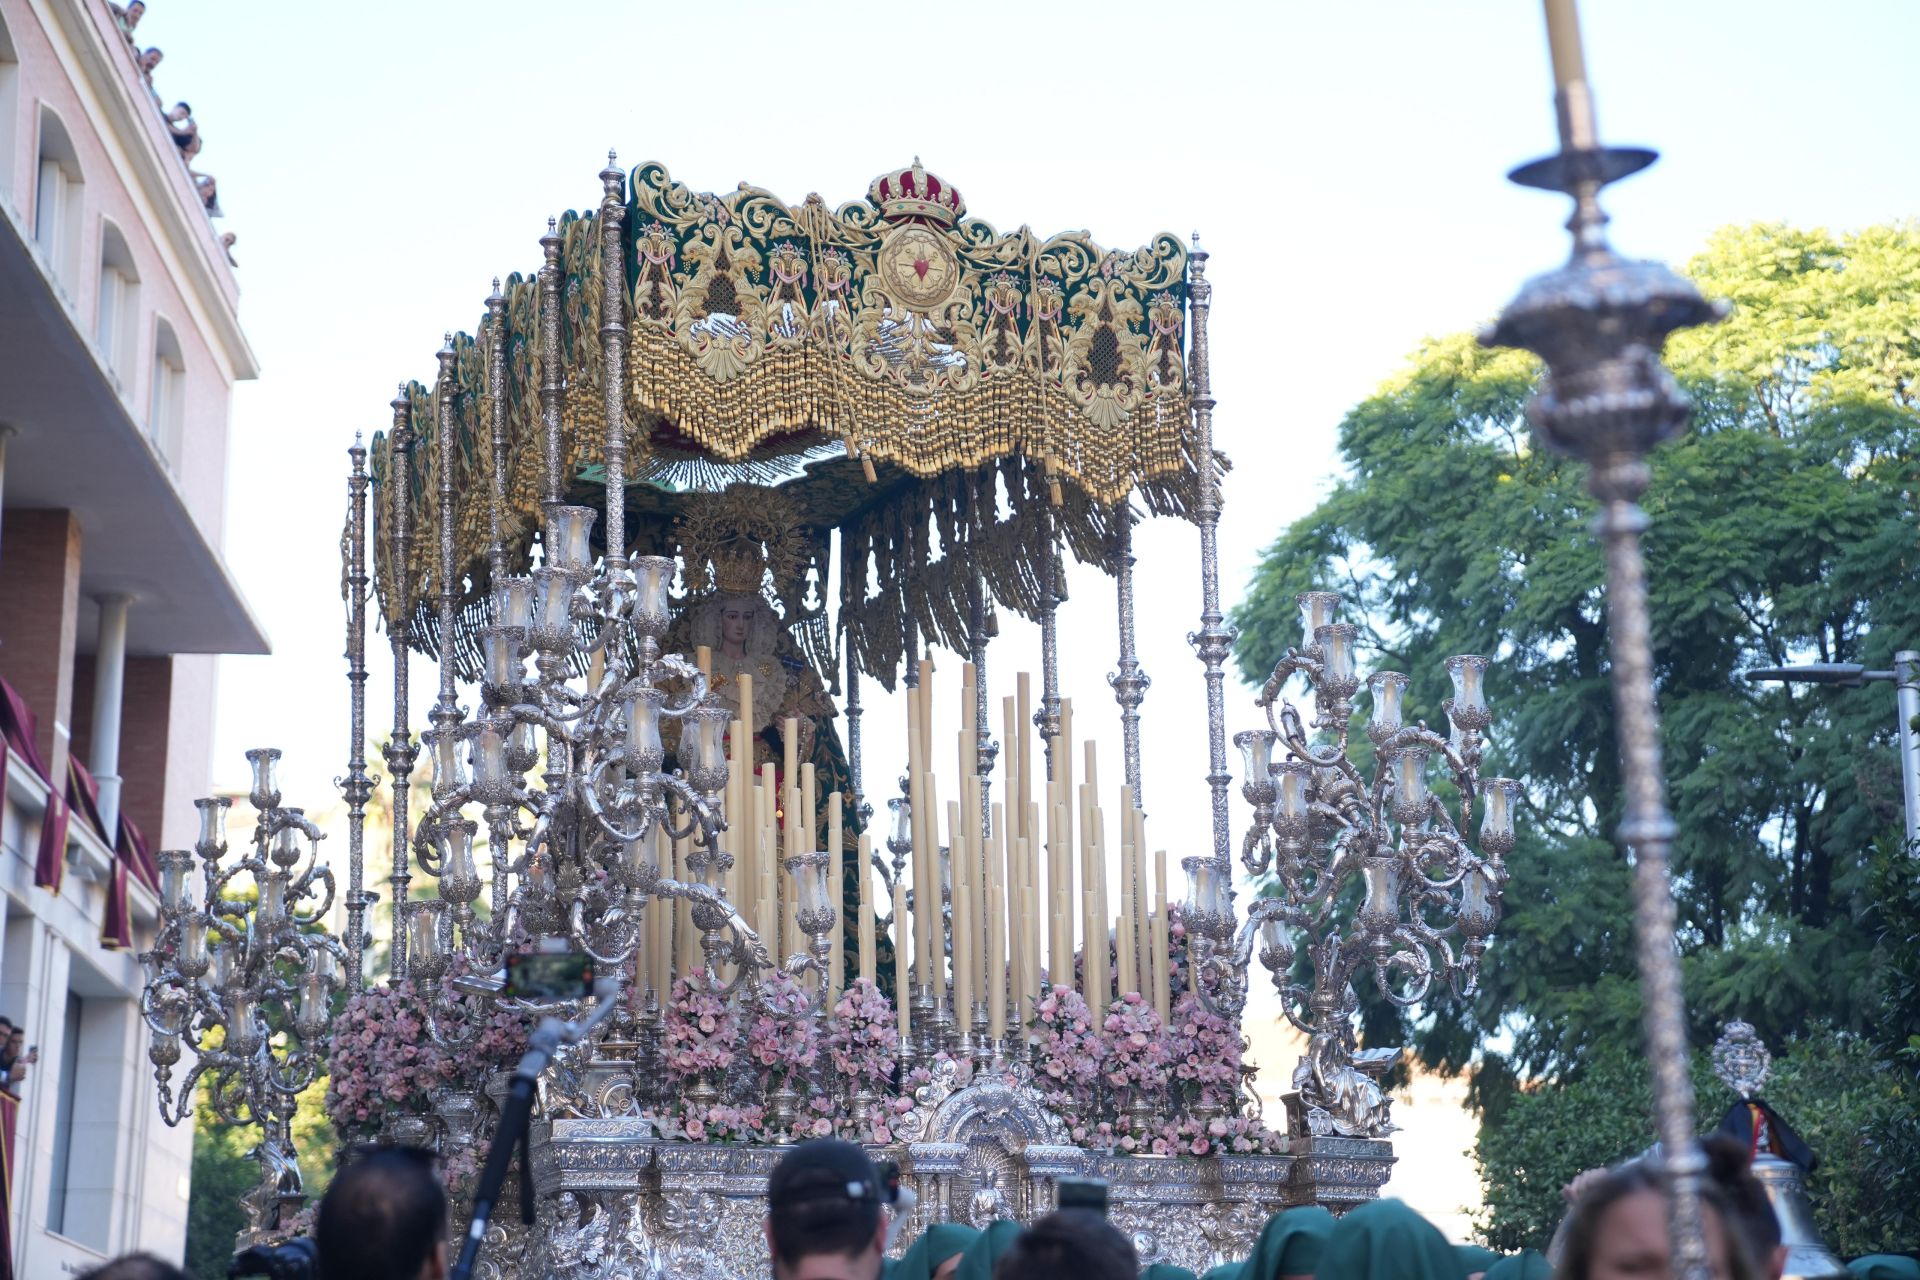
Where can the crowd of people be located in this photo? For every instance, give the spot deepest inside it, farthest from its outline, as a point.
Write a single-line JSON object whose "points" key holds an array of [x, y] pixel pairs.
{"points": [[15, 1055], [179, 118], [384, 1217]]}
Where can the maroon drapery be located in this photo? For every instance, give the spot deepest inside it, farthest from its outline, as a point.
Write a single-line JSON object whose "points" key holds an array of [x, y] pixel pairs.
{"points": [[17, 725], [131, 856], [9, 1117]]}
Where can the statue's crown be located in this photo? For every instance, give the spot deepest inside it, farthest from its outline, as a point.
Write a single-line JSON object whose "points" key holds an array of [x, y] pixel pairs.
{"points": [[740, 568]]}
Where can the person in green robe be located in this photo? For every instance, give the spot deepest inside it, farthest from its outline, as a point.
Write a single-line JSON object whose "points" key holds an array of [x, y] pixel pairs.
{"points": [[1531, 1264], [977, 1261], [1475, 1259], [936, 1254], [1290, 1245], [1166, 1271], [1385, 1240]]}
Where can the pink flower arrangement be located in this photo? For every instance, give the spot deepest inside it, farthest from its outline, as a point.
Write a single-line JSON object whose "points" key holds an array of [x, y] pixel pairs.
{"points": [[781, 1039], [863, 1036], [382, 1061], [1138, 1059], [1223, 1135], [863, 1043], [1206, 1050], [701, 1031], [1067, 1052], [723, 1123]]}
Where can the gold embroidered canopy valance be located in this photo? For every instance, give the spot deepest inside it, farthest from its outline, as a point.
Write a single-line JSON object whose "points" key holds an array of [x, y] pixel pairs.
{"points": [[996, 389]]}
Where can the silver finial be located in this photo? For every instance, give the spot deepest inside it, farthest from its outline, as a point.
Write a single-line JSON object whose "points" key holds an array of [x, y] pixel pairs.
{"points": [[1741, 1061]]}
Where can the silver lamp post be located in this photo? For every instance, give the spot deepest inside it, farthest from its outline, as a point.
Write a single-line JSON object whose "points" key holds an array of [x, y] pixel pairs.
{"points": [[258, 967], [1599, 322], [1905, 678], [1429, 898]]}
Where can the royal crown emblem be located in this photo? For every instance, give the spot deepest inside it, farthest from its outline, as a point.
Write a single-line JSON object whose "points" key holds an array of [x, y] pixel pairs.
{"points": [[913, 193], [916, 264]]}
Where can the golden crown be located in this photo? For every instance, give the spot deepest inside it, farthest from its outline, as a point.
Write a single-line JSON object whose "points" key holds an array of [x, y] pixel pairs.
{"points": [[730, 540], [739, 569]]}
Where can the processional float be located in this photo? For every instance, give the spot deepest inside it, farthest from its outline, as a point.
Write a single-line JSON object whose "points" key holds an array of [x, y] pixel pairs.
{"points": [[719, 460]]}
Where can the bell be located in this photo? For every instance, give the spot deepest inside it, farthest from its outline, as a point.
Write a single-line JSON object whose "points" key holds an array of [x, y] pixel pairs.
{"points": [[1808, 1257]]}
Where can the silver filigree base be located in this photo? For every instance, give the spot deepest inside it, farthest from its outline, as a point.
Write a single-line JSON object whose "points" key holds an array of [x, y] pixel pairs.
{"points": [[614, 1201]]}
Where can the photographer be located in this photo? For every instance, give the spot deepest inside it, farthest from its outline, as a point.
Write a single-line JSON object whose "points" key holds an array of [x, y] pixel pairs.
{"points": [[823, 1214], [384, 1218]]}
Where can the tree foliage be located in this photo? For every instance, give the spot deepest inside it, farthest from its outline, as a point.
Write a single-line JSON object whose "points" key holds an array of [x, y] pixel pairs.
{"points": [[1784, 529], [1832, 1085], [222, 1174]]}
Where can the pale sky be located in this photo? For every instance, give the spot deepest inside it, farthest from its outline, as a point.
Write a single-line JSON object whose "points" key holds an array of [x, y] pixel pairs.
{"points": [[1344, 163], [382, 162]]}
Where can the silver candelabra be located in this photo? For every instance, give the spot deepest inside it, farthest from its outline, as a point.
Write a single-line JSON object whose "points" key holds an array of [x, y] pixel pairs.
{"points": [[246, 980], [1429, 898]]}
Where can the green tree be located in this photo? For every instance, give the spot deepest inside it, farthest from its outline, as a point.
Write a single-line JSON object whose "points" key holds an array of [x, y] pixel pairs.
{"points": [[222, 1174], [1832, 1084], [1784, 529]]}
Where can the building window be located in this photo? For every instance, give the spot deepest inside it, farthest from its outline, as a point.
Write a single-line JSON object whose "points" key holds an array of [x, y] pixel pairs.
{"points": [[56, 207], [167, 405], [117, 315], [9, 109], [61, 1180]]}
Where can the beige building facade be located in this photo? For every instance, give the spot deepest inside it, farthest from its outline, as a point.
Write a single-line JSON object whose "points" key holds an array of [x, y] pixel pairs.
{"points": [[120, 343]]}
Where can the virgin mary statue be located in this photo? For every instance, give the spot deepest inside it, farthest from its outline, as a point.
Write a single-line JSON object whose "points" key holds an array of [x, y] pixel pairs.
{"points": [[731, 552]]}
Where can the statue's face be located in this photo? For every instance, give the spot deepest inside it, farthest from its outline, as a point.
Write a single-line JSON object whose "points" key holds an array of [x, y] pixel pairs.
{"points": [[735, 621]]}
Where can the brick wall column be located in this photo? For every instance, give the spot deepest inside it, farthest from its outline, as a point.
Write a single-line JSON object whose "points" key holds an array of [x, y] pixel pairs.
{"points": [[39, 617]]}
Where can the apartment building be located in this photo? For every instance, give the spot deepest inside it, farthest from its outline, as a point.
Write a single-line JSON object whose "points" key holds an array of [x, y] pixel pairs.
{"points": [[120, 343]]}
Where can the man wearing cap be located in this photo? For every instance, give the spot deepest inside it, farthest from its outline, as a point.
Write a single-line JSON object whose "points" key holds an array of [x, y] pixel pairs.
{"points": [[823, 1214]]}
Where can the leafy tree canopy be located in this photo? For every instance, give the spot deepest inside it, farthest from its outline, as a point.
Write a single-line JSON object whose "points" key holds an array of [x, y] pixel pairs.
{"points": [[1784, 529]]}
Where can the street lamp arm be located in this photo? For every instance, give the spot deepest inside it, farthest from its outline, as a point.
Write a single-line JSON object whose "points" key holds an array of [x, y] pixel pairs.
{"points": [[1849, 674]]}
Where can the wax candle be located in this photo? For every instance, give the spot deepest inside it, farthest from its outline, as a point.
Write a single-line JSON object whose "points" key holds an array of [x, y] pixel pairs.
{"points": [[997, 931], [836, 893], [900, 952], [969, 759], [1162, 986], [864, 872], [703, 660], [960, 863], [1023, 724], [929, 918], [1563, 42], [917, 854]]}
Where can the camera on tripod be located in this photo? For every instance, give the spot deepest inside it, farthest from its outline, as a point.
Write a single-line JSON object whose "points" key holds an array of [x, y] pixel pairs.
{"points": [[297, 1259]]}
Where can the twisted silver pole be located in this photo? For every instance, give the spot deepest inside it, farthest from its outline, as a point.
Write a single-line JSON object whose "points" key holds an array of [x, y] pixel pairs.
{"points": [[401, 750], [1129, 683], [613, 355], [497, 412], [1053, 591], [446, 707], [1213, 642], [358, 784]]}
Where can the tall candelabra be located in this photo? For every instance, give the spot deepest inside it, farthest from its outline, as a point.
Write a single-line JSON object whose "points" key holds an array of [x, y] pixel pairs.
{"points": [[1322, 826], [574, 855], [260, 968]]}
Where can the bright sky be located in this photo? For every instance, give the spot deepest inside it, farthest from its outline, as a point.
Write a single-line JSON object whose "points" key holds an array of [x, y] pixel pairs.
{"points": [[381, 163], [1343, 161]]}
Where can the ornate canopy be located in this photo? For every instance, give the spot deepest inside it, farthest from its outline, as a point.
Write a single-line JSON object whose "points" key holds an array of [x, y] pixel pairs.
{"points": [[995, 387]]}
